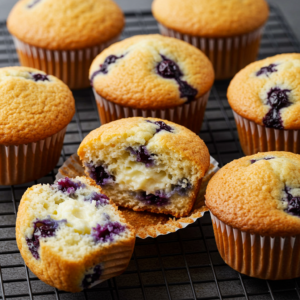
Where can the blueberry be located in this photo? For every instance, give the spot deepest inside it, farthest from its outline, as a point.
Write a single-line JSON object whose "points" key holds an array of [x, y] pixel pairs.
{"points": [[100, 199], [293, 207], [42, 229], [182, 187], [33, 3], [162, 126], [111, 59], [39, 77], [167, 68], [100, 174], [106, 233], [91, 278], [68, 186], [265, 158], [159, 199], [277, 99], [267, 70], [143, 155]]}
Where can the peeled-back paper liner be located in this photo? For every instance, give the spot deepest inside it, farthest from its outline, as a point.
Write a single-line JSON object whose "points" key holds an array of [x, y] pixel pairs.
{"points": [[227, 54], [265, 257], [257, 138], [189, 115], [27, 162], [149, 224], [71, 66]]}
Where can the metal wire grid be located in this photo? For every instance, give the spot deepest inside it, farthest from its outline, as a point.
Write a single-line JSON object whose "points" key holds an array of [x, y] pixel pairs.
{"points": [[182, 265]]}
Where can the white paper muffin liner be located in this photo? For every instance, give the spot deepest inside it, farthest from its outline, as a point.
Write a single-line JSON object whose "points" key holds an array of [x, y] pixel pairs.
{"points": [[264, 257], [27, 162], [257, 138], [149, 224], [71, 66], [227, 54], [189, 115]]}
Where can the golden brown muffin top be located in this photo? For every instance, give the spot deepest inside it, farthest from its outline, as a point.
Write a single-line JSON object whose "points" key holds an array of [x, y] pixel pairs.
{"points": [[267, 92], [211, 18], [258, 194], [182, 141], [151, 72], [65, 24], [33, 105]]}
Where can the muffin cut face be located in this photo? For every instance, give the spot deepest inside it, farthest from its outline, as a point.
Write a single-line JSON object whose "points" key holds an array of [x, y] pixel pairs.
{"points": [[138, 172], [72, 219]]}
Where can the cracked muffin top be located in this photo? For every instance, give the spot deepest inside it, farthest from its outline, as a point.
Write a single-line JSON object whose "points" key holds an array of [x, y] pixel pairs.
{"points": [[33, 105], [67, 24], [151, 72], [258, 194], [211, 18], [267, 92]]}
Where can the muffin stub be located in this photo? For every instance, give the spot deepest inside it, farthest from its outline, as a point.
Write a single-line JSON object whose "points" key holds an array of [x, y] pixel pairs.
{"points": [[74, 231], [146, 164]]}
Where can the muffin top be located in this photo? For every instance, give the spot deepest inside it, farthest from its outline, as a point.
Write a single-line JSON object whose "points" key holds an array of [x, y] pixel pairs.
{"points": [[211, 18], [258, 194], [157, 133], [33, 105], [67, 24], [268, 92], [151, 72]]}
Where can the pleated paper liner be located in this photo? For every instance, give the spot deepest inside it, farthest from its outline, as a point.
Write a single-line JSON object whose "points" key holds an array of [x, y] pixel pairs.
{"points": [[27, 162], [265, 257], [227, 54], [71, 66], [257, 138], [189, 115], [149, 224]]}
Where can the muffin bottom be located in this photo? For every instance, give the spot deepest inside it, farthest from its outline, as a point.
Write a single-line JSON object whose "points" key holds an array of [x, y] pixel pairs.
{"points": [[228, 54], [27, 162], [274, 258], [189, 115], [71, 66], [256, 138]]}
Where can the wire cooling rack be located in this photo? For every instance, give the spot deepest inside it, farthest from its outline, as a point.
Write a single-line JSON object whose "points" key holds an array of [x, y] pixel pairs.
{"points": [[183, 265]]}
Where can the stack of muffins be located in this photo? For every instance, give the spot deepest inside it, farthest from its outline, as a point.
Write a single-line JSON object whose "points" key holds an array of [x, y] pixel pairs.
{"points": [[142, 159]]}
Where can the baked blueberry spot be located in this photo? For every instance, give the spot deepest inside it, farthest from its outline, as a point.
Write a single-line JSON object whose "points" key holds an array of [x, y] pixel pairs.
{"points": [[267, 70], [39, 77], [167, 68], [159, 199], [68, 186], [265, 158], [90, 278], [106, 233], [161, 126], [100, 174], [293, 203], [182, 187], [33, 3], [100, 199], [143, 155], [42, 229], [103, 68], [277, 99]]}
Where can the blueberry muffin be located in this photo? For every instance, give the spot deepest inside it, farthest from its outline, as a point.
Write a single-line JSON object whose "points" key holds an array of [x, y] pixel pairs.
{"points": [[63, 37], [74, 231], [265, 99], [228, 32], [255, 207], [35, 111], [152, 76], [146, 164]]}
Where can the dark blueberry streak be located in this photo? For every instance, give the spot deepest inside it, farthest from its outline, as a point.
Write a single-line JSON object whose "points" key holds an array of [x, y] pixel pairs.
{"points": [[39, 77], [42, 229], [100, 199], [68, 186], [266, 70], [277, 99], [33, 3], [106, 233], [91, 278], [111, 59], [143, 155], [293, 207], [162, 126], [265, 158], [167, 68], [100, 174]]}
